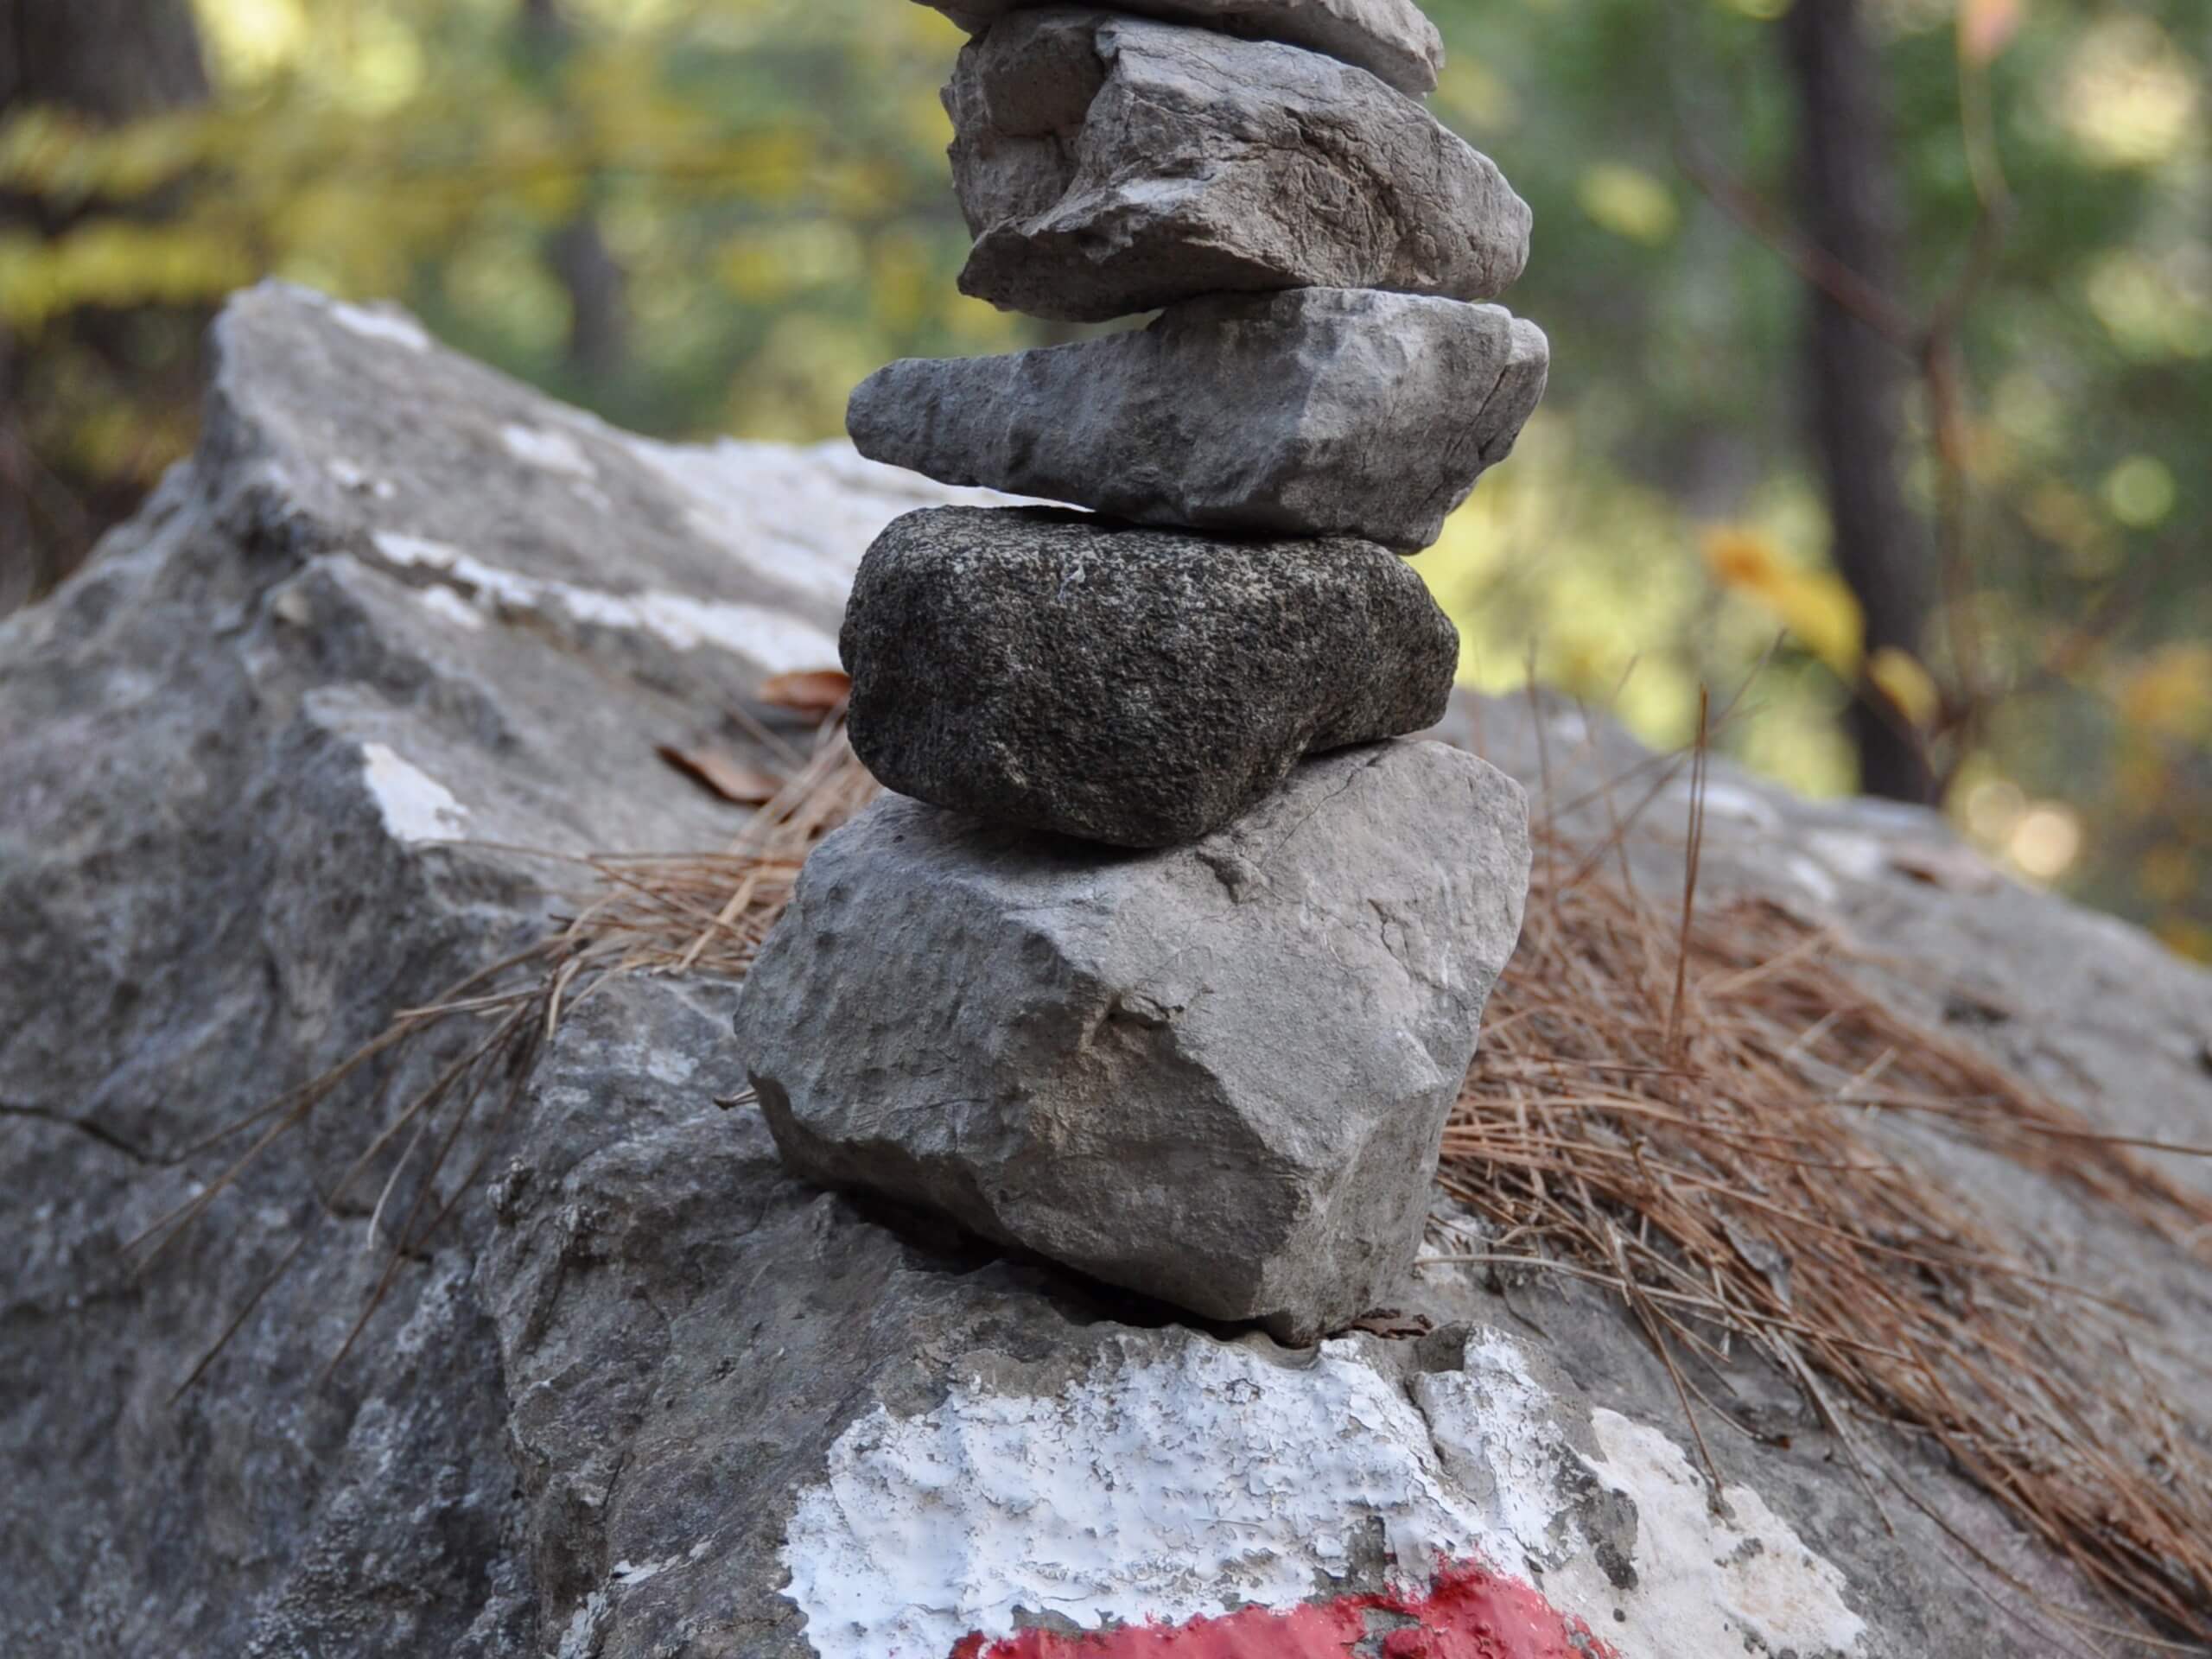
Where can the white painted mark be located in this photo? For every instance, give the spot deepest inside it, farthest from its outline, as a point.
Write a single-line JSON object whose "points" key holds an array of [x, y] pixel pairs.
{"points": [[381, 324], [556, 452], [416, 807], [1176, 1487], [1163, 1489]]}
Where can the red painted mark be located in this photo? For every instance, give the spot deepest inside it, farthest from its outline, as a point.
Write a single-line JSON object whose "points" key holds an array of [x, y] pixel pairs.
{"points": [[1469, 1613]]}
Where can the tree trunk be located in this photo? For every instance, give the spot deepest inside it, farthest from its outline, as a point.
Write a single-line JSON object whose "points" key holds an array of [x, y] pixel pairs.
{"points": [[1854, 378], [109, 60], [577, 255], [105, 60]]}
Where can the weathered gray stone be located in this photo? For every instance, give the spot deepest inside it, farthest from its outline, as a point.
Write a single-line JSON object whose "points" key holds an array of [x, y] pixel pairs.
{"points": [[623, 1408], [1108, 165], [1216, 1075], [1137, 687], [1319, 411], [1388, 38]]}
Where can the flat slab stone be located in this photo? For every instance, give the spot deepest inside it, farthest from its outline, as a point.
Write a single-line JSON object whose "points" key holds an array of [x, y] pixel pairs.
{"points": [[1109, 165], [1136, 686], [1391, 39], [1216, 1075], [1318, 411]]}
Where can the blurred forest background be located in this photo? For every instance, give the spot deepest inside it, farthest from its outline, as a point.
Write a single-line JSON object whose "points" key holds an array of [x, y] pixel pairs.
{"points": [[1882, 329]]}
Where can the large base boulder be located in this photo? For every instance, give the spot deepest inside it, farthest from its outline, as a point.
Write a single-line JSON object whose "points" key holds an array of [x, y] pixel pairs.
{"points": [[1216, 1075], [1318, 411], [1108, 165]]}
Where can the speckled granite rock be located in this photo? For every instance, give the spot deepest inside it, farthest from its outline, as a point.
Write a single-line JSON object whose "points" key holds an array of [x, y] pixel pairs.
{"points": [[1388, 38], [1136, 686], [1108, 165], [1216, 1075], [1320, 411]]}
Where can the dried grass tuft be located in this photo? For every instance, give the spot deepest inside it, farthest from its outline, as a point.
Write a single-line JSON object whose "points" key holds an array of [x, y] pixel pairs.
{"points": [[1684, 1107]]}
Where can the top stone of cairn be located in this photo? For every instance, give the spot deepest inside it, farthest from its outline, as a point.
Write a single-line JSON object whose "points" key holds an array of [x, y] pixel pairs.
{"points": [[1109, 165], [1389, 38]]}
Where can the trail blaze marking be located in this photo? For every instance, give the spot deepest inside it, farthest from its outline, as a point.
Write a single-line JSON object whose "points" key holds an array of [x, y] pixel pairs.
{"points": [[1469, 1613]]}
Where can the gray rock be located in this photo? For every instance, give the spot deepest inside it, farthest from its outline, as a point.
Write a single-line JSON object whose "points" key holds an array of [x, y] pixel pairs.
{"points": [[1388, 38], [1216, 1075], [1108, 165], [1320, 411], [1136, 686], [613, 1412]]}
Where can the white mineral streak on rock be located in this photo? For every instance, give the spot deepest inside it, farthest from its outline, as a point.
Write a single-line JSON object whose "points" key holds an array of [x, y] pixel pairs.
{"points": [[1703, 1584], [1729, 800], [1861, 857], [800, 518], [443, 601], [774, 640], [415, 807], [556, 452], [1176, 1487], [382, 324]]}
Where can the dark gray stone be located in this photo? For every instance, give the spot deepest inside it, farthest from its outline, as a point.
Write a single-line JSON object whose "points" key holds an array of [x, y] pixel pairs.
{"points": [[1320, 411], [1215, 1075], [1136, 686], [1390, 39], [1108, 165]]}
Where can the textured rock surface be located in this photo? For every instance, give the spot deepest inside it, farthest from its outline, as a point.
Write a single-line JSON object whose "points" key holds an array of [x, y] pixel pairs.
{"points": [[1137, 687], [1388, 38], [653, 1396], [1321, 411], [1108, 165], [1215, 1075]]}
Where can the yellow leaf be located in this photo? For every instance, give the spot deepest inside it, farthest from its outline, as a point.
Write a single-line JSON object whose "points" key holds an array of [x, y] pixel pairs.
{"points": [[1987, 27], [1814, 604], [2169, 692], [1628, 202], [1907, 685]]}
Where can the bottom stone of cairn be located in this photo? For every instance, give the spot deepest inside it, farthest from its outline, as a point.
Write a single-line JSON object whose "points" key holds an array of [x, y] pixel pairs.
{"points": [[1216, 1075]]}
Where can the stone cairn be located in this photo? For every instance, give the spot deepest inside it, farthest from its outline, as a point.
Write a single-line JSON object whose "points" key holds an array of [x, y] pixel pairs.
{"points": [[1120, 974]]}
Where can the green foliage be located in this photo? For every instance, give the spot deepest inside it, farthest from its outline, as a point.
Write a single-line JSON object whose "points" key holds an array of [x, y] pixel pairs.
{"points": [[766, 176]]}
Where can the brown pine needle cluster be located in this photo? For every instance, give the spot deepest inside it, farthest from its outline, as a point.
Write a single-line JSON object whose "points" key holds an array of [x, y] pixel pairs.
{"points": [[1694, 1108], [1703, 1112]]}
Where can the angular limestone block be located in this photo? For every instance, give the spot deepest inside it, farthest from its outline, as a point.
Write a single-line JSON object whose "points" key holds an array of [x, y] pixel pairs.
{"points": [[1216, 1075], [1318, 411], [1108, 165]]}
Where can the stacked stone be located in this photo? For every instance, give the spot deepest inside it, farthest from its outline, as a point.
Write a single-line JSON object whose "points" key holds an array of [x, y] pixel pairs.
{"points": [[1146, 1068], [1317, 391]]}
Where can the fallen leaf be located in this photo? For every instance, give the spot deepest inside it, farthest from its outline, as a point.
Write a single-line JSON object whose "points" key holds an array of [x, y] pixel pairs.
{"points": [[810, 691], [733, 780], [1987, 27]]}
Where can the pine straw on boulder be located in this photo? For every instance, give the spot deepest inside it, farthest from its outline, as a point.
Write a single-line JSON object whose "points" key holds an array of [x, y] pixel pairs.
{"points": [[1687, 1108]]}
